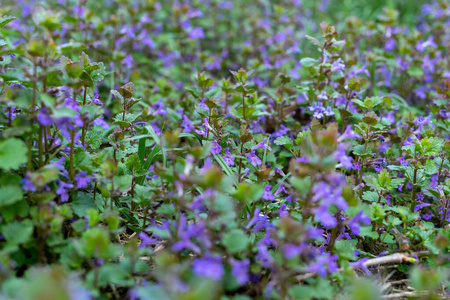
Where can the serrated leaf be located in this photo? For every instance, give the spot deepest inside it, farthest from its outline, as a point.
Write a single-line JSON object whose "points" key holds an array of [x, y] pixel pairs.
{"points": [[13, 153], [370, 118], [302, 185], [415, 71], [17, 232], [430, 167], [370, 196], [5, 20], [284, 141], [236, 240], [213, 93], [314, 41], [83, 203], [94, 139], [133, 163], [308, 61], [345, 249], [10, 194]]}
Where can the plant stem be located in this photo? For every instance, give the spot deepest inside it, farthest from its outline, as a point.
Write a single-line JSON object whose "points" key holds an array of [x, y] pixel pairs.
{"points": [[71, 158], [83, 131], [41, 129], [413, 195], [240, 163], [243, 107]]}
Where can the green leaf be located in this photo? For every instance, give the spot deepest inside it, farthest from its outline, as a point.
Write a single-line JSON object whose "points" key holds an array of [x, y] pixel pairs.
{"points": [[415, 71], [13, 153], [370, 118], [248, 193], [284, 141], [166, 209], [5, 20], [235, 241], [301, 292], [133, 163], [433, 146], [126, 122], [194, 92], [83, 203], [345, 249], [384, 179], [274, 189], [314, 41], [302, 185], [395, 183], [157, 140], [370, 196], [117, 95], [10, 194], [430, 167], [367, 231], [18, 232], [94, 139], [213, 93], [141, 149], [308, 61]]}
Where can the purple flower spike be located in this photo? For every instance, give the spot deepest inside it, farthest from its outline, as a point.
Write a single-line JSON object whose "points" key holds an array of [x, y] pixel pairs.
{"points": [[267, 195], [216, 148], [209, 267]]}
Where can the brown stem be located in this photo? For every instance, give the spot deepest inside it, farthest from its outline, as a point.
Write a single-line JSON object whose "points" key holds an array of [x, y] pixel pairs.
{"points": [[72, 147], [413, 195]]}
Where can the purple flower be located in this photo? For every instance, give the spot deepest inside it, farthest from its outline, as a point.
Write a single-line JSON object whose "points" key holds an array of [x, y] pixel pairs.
{"points": [[341, 156], [100, 121], [208, 267], [291, 250], [12, 84], [253, 159], [428, 215], [260, 222], [240, 270], [27, 183], [322, 96], [379, 164], [146, 240], [325, 217], [82, 180], [229, 160], [324, 264], [302, 159], [318, 110], [264, 256], [349, 134], [328, 111], [216, 148], [44, 117], [421, 121], [63, 190], [338, 66], [421, 46], [390, 44], [96, 100], [262, 145], [196, 33], [281, 189], [403, 161], [360, 265], [356, 220], [267, 195], [187, 124]]}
